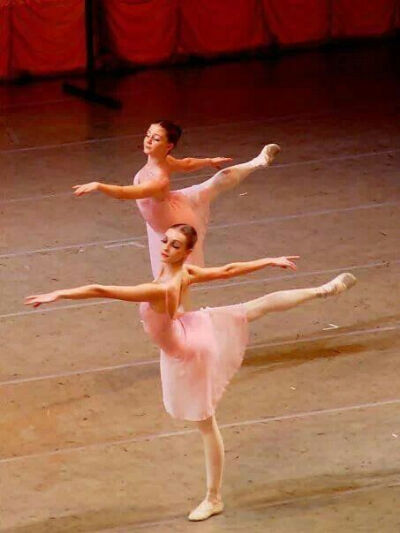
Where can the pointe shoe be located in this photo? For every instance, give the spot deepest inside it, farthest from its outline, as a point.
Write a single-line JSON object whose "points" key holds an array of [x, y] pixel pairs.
{"points": [[337, 285], [205, 510], [267, 155]]}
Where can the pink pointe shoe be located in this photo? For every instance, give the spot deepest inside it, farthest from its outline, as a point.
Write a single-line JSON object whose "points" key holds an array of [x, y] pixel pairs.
{"points": [[267, 155], [205, 510], [337, 285]]}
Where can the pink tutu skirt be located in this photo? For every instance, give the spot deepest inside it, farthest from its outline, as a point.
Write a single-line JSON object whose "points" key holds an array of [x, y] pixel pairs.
{"points": [[200, 353]]}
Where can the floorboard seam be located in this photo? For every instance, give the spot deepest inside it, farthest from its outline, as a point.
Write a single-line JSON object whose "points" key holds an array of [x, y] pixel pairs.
{"points": [[152, 437]]}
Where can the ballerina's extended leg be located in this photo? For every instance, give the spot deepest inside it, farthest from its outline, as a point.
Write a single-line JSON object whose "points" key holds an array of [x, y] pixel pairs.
{"points": [[284, 300], [214, 456], [212, 440], [231, 177]]}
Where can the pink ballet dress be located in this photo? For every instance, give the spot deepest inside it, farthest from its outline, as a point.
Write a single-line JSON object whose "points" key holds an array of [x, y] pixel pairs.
{"points": [[186, 206], [200, 353]]}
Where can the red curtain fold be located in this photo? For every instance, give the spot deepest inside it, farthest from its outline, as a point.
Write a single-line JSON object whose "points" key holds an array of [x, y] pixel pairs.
{"points": [[297, 21], [48, 36], [5, 38], [219, 26], [142, 31], [362, 18]]}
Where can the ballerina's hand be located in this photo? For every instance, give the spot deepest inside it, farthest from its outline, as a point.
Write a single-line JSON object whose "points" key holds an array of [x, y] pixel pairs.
{"points": [[286, 261], [37, 299], [217, 162], [85, 188]]}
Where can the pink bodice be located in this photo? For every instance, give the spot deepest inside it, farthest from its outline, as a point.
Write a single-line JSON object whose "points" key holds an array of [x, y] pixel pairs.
{"points": [[171, 334], [162, 214], [173, 209], [186, 206]]}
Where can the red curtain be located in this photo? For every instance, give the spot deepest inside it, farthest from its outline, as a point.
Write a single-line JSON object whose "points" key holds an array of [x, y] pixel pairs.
{"points": [[142, 31], [5, 38], [356, 18], [397, 22], [48, 36], [218, 26], [298, 21]]}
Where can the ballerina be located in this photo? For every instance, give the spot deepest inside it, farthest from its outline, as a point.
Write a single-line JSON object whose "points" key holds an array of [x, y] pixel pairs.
{"points": [[160, 207], [200, 350]]}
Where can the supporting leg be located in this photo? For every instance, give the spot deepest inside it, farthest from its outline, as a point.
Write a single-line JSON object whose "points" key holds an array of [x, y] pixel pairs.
{"points": [[214, 457], [212, 440], [284, 300], [231, 177]]}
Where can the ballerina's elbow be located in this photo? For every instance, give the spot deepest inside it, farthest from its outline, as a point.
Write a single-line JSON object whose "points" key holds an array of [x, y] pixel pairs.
{"points": [[98, 291], [230, 270], [188, 164]]}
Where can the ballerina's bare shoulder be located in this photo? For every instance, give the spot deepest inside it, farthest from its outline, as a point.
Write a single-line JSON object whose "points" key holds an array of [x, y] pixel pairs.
{"points": [[157, 174], [176, 294]]}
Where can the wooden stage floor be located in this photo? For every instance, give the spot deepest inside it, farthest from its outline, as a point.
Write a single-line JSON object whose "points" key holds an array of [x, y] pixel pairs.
{"points": [[311, 422]]}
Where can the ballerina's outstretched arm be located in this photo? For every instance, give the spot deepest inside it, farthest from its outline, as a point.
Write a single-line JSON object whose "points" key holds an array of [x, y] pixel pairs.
{"points": [[189, 164], [200, 274], [153, 187], [148, 189], [146, 292]]}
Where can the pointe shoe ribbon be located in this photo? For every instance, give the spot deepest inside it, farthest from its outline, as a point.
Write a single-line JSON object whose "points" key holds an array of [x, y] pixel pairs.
{"points": [[205, 510]]}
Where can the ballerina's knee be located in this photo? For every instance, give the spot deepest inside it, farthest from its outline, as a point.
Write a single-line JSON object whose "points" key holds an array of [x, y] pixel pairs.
{"points": [[205, 426]]}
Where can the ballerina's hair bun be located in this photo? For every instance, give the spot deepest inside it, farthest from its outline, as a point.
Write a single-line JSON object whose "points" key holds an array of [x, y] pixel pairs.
{"points": [[172, 130], [189, 232]]}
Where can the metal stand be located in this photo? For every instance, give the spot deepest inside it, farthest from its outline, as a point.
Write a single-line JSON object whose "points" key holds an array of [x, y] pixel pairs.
{"points": [[89, 93]]}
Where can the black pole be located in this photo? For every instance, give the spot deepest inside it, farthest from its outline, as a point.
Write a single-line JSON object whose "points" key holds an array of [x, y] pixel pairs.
{"points": [[89, 45], [90, 93]]}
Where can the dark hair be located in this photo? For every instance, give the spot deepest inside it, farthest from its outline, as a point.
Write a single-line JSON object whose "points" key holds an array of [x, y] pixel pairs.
{"points": [[189, 232], [172, 130]]}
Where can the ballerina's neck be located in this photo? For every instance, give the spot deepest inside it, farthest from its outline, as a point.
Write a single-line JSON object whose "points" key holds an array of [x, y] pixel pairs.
{"points": [[156, 161], [169, 272]]}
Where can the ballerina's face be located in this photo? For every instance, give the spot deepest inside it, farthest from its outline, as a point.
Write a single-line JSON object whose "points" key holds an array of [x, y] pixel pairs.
{"points": [[174, 247], [156, 142]]}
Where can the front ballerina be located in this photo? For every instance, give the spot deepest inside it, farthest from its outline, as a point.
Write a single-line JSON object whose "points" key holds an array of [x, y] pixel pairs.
{"points": [[201, 350]]}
